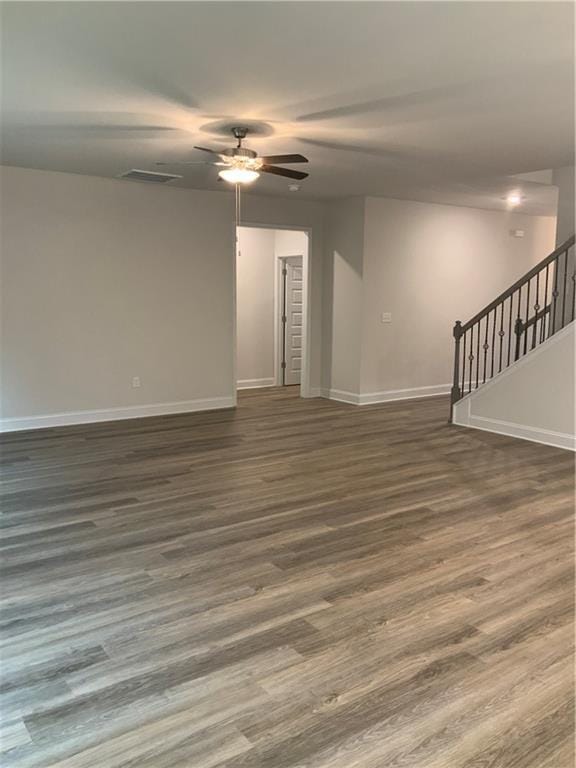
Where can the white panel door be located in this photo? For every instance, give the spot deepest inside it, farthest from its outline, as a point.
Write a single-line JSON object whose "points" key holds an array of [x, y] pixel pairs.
{"points": [[293, 319]]}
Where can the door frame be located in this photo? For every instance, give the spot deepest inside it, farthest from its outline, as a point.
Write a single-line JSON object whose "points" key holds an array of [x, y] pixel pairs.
{"points": [[278, 327], [305, 387]]}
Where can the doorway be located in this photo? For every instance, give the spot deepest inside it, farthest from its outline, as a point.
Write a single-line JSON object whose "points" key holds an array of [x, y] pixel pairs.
{"points": [[272, 271]]}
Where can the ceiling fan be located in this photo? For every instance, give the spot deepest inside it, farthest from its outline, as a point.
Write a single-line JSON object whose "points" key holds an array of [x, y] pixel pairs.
{"points": [[242, 166]]}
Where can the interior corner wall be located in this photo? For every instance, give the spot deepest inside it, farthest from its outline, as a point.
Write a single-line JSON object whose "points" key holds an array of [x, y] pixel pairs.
{"points": [[104, 280], [430, 265], [342, 302], [563, 178], [255, 263]]}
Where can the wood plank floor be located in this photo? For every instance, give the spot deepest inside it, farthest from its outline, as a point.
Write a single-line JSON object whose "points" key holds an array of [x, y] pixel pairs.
{"points": [[294, 584]]}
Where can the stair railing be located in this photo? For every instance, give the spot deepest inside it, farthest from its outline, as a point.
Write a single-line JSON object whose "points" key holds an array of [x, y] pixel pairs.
{"points": [[537, 306]]}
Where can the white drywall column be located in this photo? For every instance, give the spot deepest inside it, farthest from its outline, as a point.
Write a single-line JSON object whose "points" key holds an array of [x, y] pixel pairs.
{"points": [[342, 300], [563, 178], [255, 307]]}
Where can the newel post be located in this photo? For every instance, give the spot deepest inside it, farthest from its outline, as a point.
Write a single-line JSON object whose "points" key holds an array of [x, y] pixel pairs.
{"points": [[455, 393]]}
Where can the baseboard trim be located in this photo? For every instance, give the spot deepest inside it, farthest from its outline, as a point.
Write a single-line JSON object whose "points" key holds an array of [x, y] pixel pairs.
{"points": [[115, 414], [255, 383], [521, 431], [340, 395], [372, 398], [388, 396]]}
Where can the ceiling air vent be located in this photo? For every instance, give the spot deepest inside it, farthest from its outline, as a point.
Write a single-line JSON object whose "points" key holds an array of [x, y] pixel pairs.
{"points": [[155, 178]]}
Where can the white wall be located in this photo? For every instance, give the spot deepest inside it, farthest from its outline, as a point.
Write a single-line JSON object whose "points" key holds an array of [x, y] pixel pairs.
{"points": [[563, 178], [255, 306], [103, 280], [288, 242], [430, 265], [343, 276], [533, 399], [426, 264]]}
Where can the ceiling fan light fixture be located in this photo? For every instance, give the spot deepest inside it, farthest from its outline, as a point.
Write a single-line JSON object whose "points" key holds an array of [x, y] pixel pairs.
{"points": [[239, 175]]}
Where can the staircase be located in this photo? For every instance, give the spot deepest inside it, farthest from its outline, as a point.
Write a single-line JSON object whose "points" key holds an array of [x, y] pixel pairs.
{"points": [[537, 306]]}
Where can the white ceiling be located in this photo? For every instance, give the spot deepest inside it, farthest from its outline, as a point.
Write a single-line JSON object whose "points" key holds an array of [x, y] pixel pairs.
{"points": [[438, 101]]}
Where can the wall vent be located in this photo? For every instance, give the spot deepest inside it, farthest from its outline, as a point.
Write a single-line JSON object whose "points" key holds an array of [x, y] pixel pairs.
{"points": [[155, 178]]}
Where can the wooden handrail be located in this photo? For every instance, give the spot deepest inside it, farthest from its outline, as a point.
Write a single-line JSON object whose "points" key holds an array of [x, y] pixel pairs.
{"points": [[524, 279]]}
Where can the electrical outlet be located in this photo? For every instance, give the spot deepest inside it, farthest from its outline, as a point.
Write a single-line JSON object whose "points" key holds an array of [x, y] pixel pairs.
{"points": [[135, 382], [386, 317]]}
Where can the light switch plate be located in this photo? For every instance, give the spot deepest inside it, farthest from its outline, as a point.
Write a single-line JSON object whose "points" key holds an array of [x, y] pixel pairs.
{"points": [[386, 317]]}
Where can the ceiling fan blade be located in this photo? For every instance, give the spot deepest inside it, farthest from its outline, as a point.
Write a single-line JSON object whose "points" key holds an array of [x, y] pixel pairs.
{"points": [[287, 172], [184, 162], [193, 162], [271, 159], [205, 149], [81, 132]]}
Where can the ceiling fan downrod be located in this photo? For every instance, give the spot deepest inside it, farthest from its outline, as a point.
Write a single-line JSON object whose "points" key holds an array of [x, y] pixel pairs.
{"points": [[239, 133]]}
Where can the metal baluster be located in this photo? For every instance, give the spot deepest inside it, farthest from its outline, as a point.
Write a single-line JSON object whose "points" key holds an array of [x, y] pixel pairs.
{"points": [[510, 330], [555, 297], [518, 325], [463, 364], [478, 355], [536, 310], [546, 311], [493, 340], [564, 289], [501, 334], [485, 346], [471, 358], [527, 316], [574, 289]]}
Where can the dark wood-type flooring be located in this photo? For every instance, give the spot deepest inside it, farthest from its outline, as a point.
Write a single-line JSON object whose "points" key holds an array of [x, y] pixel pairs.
{"points": [[294, 584]]}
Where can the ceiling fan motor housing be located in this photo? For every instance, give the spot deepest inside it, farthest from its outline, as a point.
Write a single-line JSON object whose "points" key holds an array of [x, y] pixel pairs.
{"points": [[240, 157], [239, 152]]}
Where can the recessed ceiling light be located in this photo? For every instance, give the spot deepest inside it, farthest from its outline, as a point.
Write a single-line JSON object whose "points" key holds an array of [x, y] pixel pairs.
{"points": [[514, 198], [294, 187]]}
